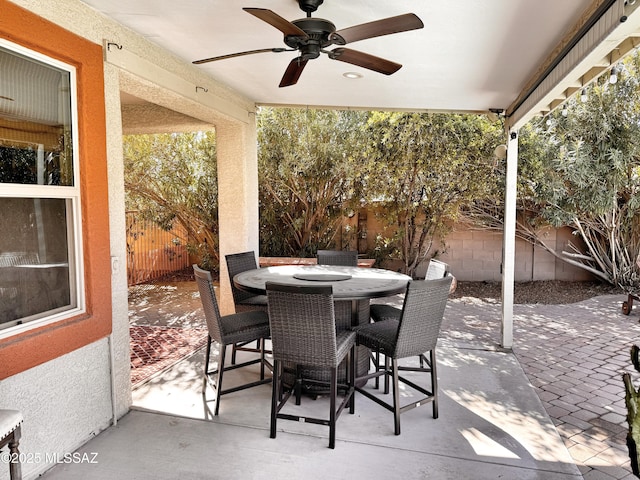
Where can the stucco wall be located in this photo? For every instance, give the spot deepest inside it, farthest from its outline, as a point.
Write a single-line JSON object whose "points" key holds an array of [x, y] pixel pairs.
{"points": [[67, 400], [64, 402], [70, 399], [118, 242]]}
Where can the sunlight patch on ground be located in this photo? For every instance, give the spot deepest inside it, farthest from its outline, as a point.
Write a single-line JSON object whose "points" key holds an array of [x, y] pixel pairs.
{"points": [[523, 429], [484, 446]]}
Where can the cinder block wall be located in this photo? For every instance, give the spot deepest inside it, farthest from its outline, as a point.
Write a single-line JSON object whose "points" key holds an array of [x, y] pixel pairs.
{"points": [[476, 255]]}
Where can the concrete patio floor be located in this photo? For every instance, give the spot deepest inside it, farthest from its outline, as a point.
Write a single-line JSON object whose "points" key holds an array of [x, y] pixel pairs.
{"points": [[552, 408]]}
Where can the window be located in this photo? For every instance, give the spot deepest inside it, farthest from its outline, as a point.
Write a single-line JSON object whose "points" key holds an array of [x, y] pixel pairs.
{"points": [[40, 244]]}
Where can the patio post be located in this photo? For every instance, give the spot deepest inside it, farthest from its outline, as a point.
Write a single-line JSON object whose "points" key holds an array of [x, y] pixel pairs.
{"points": [[509, 240], [237, 196]]}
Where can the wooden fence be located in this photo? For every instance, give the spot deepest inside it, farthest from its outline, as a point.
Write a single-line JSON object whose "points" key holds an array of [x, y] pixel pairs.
{"points": [[153, 252]]}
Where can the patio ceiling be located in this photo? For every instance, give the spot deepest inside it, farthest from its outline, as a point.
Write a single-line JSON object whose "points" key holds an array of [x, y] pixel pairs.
{"points": [[471, 55]]}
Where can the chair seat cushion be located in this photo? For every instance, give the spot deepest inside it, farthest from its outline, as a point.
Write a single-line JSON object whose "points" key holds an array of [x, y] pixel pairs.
{"points": [[383, 312], [245, 326], [9, 421], [255, 300], [380, 335]]}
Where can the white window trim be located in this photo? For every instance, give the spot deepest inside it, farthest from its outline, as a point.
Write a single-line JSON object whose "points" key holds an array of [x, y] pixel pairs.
{"points": [[74, 193]]}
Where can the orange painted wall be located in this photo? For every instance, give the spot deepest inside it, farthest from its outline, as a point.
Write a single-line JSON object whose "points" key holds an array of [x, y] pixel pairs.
{"points": [[26, 350]]}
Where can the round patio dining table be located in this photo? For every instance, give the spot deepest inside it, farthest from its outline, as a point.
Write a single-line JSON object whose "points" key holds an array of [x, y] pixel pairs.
{"points": [[349, 283], [353, 287]]}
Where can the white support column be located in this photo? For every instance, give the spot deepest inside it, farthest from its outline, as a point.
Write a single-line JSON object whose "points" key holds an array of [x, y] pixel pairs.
{"points": [[237, 196], [509, 240]]}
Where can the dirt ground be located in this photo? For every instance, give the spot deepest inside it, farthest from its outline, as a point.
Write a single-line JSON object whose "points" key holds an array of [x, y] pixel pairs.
{"points": [[542, 292]]}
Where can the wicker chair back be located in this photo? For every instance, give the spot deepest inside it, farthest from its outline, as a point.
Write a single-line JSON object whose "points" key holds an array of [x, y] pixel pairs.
{"points": [[346, 258], [209, 303], [238, 263], [422, 314], [302, 321]]}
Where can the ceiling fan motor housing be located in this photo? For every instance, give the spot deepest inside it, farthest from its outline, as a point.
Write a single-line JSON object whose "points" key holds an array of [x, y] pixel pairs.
{"points": [[318, 32]]}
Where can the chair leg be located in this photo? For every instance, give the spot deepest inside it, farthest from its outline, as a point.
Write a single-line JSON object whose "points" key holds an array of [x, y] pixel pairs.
{"points": [[434, 382], [332, 414], [386, 375], [396, 395], [298, 385], [275, 395], [260, 342], [206, 365], [261, 345], [352, 380], [223, 351], [15, 468], [377, 360]]}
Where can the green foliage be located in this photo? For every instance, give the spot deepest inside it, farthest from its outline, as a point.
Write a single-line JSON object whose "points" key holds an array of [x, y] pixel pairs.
{"points": [[582, 169], [18, 165], [316, 164], [305, 163], [172, 178], [591, 161], [632, 402], [425, 168]]}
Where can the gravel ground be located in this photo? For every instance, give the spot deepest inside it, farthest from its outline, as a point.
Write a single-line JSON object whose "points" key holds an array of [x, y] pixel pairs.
{"points": [[544, 292], [548, 292]]}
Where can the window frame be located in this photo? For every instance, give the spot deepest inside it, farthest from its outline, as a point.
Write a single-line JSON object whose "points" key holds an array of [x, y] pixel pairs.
{"points": [[29, 349], [73, 195]]}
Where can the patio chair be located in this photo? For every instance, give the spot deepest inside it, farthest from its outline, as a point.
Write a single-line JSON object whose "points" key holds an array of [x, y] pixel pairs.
{"points": [[228, 330], [435, 270], [303, 333], [244, 301], [414, 334], [347, 258], [10, 431]]}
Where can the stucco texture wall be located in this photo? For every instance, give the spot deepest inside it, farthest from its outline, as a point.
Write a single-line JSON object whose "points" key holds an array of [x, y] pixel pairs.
{"points": [[59, 375], [65, 402]]}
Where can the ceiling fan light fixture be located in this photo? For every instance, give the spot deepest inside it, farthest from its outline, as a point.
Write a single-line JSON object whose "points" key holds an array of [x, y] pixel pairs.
{"points": [[352, 75]]}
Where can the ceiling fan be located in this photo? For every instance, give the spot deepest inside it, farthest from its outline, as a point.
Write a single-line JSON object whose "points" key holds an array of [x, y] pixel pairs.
{"points": [[311, 36]]}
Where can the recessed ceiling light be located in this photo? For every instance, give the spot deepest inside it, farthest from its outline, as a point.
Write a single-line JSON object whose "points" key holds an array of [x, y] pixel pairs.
{"points": [[352, 75]]}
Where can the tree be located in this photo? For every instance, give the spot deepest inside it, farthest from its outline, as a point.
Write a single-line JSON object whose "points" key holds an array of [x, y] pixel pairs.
{"points": [[306, 160], [582, 169], [173, 178], [424, 168]]}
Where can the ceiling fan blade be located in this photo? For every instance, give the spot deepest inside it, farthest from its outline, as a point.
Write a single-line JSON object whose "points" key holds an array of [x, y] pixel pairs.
{"points": [[293, 72], [365, 60], [275, 20], [386, 26], [240, 54]]}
